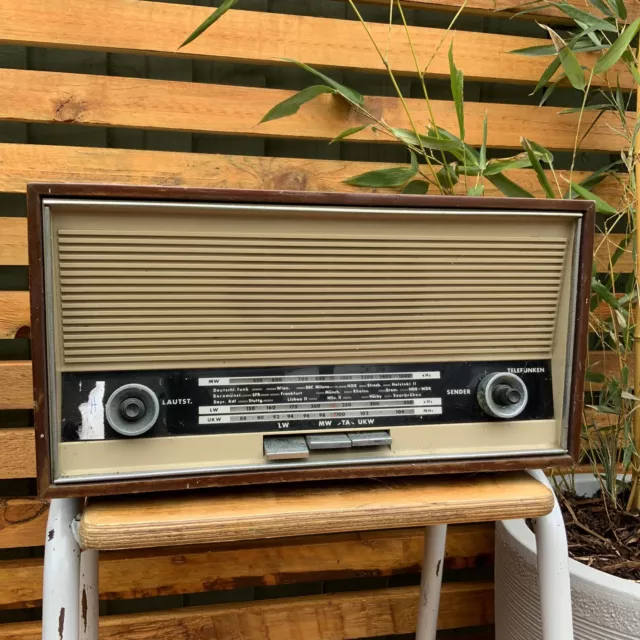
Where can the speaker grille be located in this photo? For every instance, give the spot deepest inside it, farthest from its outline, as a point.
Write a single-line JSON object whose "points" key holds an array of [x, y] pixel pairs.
{"points": [[138, 300]]}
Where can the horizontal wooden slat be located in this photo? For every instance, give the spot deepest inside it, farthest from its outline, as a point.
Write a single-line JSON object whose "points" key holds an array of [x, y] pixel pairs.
{"points": [[193, 570], [14, 305], [47, 97], [326, 617], [13, 248], [22, 164], [598, 419], [22, 522], [603, 311], [15, 385], [540, 13], [608, 363], [604, 250], [133, 26], [17, 453]]}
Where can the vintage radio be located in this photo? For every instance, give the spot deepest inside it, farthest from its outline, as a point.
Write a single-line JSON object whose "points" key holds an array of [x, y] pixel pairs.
{"points": [[188, 338]]}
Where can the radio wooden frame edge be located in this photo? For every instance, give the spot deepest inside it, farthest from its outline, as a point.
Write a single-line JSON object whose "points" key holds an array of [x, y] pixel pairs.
{"points": [[36, 192]]}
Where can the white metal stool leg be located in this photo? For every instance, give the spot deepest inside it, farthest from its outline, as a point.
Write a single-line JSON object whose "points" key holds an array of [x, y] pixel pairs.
{"points": [[431, 581], [61, 572], [89, 595], [553, 572]]}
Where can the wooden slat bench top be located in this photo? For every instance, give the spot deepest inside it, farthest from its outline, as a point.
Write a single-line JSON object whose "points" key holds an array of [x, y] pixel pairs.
{"points": [[293, 510]]}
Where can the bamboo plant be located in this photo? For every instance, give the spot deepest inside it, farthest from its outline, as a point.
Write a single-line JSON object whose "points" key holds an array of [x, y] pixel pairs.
{"points": [[441, 161]]}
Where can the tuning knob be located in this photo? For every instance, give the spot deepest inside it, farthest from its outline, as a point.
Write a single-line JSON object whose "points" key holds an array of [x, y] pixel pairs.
{"points": [[502, 395], [132, 409]]}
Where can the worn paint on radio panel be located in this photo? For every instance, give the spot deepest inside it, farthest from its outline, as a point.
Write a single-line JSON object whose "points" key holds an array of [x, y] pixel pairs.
{"points": [[277, 399]]}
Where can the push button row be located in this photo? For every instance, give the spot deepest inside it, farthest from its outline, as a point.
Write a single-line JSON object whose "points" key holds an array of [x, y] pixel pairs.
{"points": [[298, 447]]}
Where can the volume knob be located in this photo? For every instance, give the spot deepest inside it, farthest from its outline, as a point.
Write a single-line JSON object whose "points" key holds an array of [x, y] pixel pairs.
{"points": [[502, 395], [132, 409]]}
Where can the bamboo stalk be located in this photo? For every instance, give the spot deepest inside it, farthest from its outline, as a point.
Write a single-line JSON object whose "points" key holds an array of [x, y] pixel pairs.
{"points": [[635, 493]]}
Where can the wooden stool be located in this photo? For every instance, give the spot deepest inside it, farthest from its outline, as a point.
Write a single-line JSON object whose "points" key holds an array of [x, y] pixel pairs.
{"points": [[76, 535]]}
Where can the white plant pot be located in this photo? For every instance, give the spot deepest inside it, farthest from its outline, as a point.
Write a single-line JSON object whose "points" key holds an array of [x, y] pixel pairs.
{"points": [[604, 607]]}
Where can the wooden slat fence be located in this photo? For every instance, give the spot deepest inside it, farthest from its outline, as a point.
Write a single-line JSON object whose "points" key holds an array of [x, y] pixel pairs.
{"points": [[94, 91]]}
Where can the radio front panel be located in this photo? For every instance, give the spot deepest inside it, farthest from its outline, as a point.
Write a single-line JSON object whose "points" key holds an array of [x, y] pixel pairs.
{"points": [[212, 334]]}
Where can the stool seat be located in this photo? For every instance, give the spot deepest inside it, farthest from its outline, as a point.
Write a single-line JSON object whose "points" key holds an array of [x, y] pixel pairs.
{"points": [[254, 513]]}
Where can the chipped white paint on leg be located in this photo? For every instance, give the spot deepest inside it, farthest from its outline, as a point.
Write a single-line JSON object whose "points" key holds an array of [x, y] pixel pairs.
{"points": [[435, 537], [89, 603], [60, 587], [92, 412]]}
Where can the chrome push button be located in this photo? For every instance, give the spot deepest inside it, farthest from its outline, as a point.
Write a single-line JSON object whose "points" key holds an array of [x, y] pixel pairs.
{"points": [[285, 448], [328, 441]]}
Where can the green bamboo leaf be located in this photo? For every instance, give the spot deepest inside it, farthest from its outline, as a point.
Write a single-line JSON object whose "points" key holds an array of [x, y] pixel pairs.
{"points": [[533, 8], [550, 50], [590, 107], [429, 142], [414, 162], [508, 187], [585, 17], [348, 132], [392, 177], [601, 205], [483, 148], [538, 50], [407, 136], [447, 176], [551, 88], [619, 9], [595, 377], [499, 165], [592, 35], [542, 152], [628, 453], [627, 298], [457, 90], [291, 105], [417, 187], [537, 167], [618, 48], [214, 17], [585, 47], [547, 74], [348, 94], [464, 152], [568, 60], [604, 294], [622, 321], [574, 44], [602, 7], [603, 408], [624, 376], [634, 72], [476, 190], [595, 178]]}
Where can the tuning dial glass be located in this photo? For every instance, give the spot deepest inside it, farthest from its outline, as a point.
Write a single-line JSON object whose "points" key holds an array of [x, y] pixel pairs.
{"points": [[502, 395], [132, 409]]}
